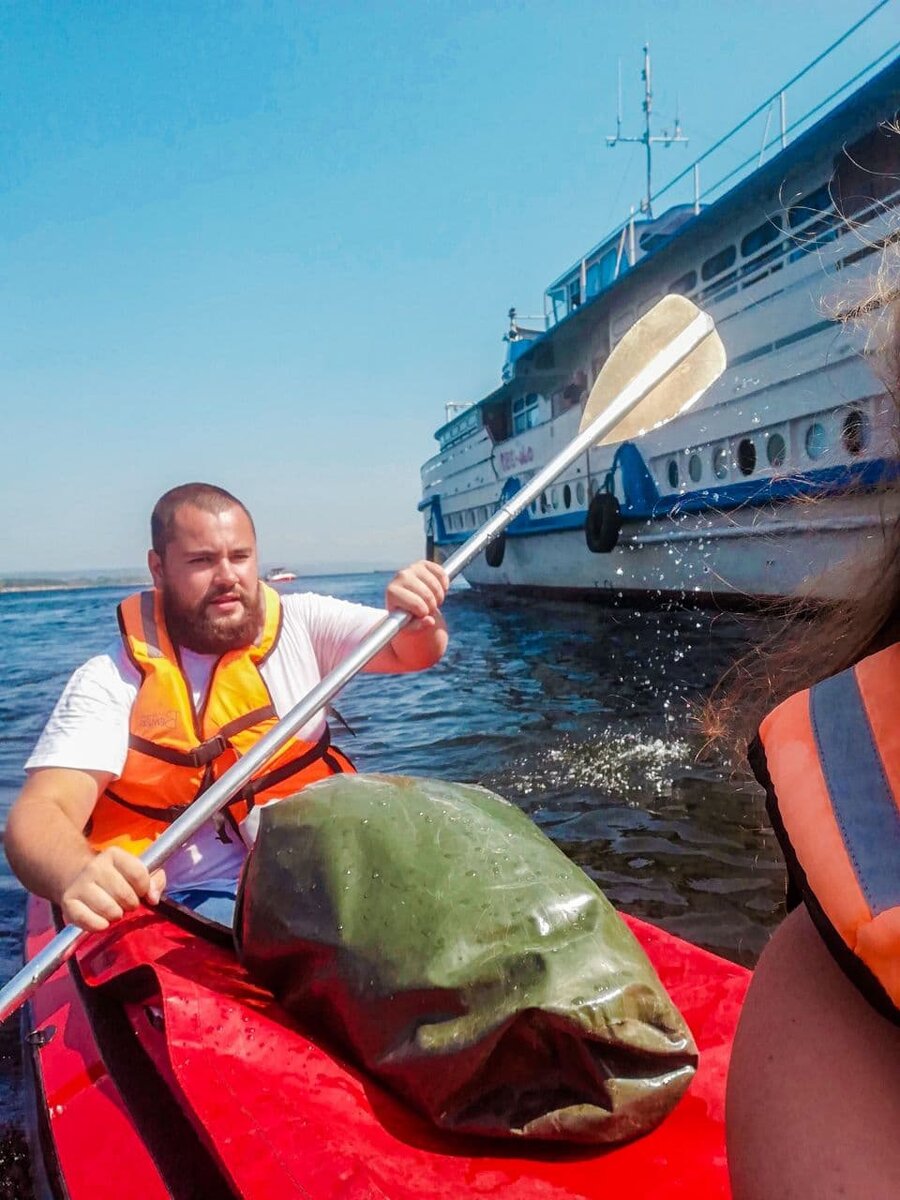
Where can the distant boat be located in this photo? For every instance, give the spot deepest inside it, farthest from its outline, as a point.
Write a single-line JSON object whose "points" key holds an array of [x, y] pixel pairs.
{"points": [[280, 575]]}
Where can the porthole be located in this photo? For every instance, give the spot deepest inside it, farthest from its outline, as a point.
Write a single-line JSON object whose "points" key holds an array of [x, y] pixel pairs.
{"points": [[579, 493], [672, 472], [554, 499], [720, 462], [746, 456], [776, 450], [594, 488], [695, 468], [567, 496], [544, 504], [816, 440], [855, 431]]}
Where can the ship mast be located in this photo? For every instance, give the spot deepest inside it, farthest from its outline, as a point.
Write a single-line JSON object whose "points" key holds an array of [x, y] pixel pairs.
{"points": [[646, 139]]}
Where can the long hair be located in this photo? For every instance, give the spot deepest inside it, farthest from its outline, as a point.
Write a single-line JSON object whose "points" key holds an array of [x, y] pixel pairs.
{"points": [[808, 644]]}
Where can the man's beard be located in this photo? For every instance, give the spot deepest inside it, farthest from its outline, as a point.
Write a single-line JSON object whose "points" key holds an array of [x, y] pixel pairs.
{"points": [[200, 629]]}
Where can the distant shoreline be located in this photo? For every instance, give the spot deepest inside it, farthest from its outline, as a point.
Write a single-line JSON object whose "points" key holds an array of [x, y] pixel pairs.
{"points": [[14, 587], [81, 585]]}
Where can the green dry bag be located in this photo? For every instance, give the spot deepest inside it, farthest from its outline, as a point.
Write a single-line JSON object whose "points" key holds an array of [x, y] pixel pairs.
{"points": [[462, 959]]}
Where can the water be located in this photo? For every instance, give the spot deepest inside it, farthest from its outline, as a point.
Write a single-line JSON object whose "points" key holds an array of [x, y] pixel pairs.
{"points": [[578, 713]]}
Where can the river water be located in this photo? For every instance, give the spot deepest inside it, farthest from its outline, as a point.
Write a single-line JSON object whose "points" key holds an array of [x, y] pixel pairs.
{"points": [[580, 714]]}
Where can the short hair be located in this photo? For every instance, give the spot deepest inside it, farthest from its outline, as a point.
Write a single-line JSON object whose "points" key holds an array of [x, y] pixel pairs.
{"points": [[205, 496]]}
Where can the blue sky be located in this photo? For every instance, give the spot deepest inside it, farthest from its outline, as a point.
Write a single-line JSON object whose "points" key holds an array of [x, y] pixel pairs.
{"points": [[262, 244]]}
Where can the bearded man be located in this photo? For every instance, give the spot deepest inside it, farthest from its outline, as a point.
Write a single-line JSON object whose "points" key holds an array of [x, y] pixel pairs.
{"points": [[205, 665]]}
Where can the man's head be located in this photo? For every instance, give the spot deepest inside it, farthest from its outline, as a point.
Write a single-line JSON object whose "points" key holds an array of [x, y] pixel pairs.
{"points": [[204, 562]]}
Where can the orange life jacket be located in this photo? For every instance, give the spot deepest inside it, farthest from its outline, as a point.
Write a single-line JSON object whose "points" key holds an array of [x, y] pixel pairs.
{"points": [[175, 752], [829, 758]]}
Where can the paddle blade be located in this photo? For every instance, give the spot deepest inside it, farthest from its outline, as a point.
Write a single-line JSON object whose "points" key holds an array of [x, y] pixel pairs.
{"points": [[676, 392]]}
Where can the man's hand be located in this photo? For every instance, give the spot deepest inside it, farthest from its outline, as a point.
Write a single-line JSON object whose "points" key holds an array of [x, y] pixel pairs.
{"points": [[110, 884], [419, 589]]}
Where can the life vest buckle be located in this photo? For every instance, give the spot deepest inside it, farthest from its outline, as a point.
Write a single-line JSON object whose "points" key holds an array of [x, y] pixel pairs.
{"points": [[206, 752]]}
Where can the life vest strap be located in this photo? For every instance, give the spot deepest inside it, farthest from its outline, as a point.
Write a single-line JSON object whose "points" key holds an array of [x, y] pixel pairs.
{"points": [[200, 756], [165, 816], [248, 792], [320, 750], [247, 721]]}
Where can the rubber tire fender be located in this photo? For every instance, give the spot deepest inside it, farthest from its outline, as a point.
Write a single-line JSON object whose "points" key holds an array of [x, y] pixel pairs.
{"points": [[603, 523], [494, 551]]}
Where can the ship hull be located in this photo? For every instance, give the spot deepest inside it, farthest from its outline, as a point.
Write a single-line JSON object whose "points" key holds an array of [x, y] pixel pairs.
{"points": [[818, 550]]}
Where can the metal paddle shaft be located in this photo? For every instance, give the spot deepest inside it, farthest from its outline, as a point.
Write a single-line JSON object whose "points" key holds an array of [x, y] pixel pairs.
{"points": [[654, 377]]}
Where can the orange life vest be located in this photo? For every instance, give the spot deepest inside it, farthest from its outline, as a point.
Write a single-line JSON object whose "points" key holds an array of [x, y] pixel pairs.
{"points": [[829, 758], [175, 752]]}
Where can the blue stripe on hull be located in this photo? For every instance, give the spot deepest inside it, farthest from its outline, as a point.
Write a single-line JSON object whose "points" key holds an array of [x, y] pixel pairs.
{"points": [[860, 794], [828, 481]]}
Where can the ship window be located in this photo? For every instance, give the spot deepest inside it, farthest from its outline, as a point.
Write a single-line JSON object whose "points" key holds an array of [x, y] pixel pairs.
{"points": [[746, 456], [820, 233], [695, 468], [544, 503], [684, 284], [560, 304], [579, 492], [601, 273], [672, 472], [623, 321], [593, 488], [818, 201], [776, 450], [816, 440], [718, 263], [649, 303], [866, 171], [525, 412], [720, 462], [574, 294], [761, 236], [567, 496], [496, 422], [855, 431]]}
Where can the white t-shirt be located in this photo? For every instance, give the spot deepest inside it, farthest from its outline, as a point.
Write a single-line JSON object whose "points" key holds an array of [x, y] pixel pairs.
{"points": [[88, 728]]}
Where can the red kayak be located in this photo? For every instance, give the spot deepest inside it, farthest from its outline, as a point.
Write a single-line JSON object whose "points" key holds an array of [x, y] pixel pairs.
{"points": [[159, 1070]]}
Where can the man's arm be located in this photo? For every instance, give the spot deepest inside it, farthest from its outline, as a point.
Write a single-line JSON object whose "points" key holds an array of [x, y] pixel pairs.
{"points": [[419, 589], [49, 853]]}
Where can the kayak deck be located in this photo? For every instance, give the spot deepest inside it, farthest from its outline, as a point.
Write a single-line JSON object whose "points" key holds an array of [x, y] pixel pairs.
{"points": [[204, 1088]]}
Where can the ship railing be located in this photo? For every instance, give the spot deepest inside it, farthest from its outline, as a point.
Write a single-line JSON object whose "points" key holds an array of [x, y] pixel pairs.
{"points": [[748, 147], [745, 147]]}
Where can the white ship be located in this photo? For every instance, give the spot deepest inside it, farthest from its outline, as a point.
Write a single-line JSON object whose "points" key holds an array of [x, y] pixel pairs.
{"points": [[774, 478]]}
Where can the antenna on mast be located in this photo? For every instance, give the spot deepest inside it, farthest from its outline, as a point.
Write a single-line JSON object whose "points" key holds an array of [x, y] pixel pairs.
{"points": [[647, 139]]}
